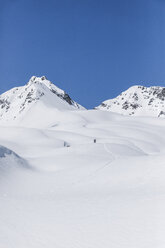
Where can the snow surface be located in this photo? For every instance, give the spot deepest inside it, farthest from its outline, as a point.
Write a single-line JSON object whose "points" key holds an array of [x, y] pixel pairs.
{"points": [[138, 101], [105, 194], [59, 189]]}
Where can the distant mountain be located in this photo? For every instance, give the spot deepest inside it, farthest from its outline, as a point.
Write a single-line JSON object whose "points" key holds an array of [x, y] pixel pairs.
{"points": [[138, 101], [40, 101], [15, 103]]}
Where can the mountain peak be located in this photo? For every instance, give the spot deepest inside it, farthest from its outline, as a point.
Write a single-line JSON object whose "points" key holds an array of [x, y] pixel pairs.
{"points": [[138, 100], [38, 80], [34, 79], [18, 101]]}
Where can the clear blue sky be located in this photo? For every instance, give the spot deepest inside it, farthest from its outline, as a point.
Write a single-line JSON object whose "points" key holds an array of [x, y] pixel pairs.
{"points": [[93, 49]]}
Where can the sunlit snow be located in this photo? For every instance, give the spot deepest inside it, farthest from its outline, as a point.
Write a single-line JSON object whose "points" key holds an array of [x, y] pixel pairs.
{"points": [[60, 189]]}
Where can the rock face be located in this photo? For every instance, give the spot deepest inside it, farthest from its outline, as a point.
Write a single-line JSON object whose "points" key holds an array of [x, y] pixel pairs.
{"points": [[18, 101], [138, 101]]}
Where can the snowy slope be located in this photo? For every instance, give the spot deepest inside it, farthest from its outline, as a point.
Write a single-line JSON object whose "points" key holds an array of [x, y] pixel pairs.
{"points": [[10, 162], [138, 101], [17, 102], [60, 189], [82, 194]]}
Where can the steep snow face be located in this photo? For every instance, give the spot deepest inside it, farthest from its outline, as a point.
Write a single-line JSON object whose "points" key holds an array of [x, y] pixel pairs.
{"points": [[138, 101], [18, 101]]}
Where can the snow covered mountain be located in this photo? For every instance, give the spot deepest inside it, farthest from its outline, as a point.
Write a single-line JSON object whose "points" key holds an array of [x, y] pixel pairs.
{"points": [[138, 101], [80, 179], [17, 102]]}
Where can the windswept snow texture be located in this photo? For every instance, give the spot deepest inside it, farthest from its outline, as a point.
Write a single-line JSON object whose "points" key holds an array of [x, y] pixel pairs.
{"points": [[138, 101], [76, 193], [38, 92], [10, 162]]}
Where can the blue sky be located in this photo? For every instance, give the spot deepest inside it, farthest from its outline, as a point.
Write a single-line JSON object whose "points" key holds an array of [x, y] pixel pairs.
{"points": [[93, 49]]}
